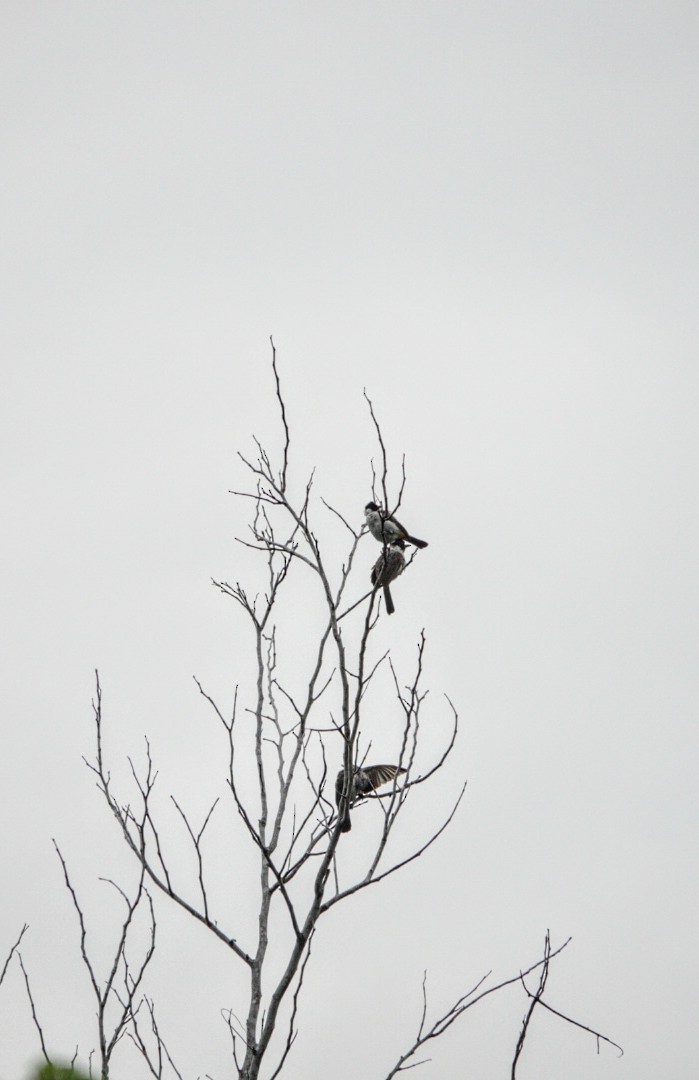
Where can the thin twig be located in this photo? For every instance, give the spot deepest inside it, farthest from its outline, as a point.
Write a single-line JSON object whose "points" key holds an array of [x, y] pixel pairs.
{"points": [[535, 998], [35, 1017], [12, 951]]}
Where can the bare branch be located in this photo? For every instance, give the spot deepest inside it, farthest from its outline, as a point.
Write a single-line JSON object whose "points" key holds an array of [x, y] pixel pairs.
{"points": [[287, 437], [136, 832], [535, 998], [455, 1011], [108, 992], [575, 1023], [12, 952], [375, 879], [157, 1058], [81, 920], [384, 456], [35, 1017], [196, 840], [343, 519], [292, 1032]]}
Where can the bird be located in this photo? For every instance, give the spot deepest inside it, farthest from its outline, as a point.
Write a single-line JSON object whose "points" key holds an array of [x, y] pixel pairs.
{"points": [[390, 563], [384, 527], [364, 781]]}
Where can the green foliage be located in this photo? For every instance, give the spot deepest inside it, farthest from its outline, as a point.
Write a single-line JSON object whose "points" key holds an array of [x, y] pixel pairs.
{"points": [[58, 1072]]}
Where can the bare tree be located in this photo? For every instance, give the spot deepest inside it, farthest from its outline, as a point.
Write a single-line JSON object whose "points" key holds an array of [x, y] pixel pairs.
{"points": [[301, 807]]}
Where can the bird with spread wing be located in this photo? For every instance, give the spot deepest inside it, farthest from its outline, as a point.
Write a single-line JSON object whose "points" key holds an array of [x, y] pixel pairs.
{"points": [[364, 782]]}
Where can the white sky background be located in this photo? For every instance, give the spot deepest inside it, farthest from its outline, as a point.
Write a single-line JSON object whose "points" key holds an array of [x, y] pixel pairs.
{"points": [[487, 215]]}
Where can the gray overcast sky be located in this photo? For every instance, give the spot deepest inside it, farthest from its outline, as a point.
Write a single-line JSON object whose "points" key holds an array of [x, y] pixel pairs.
{"points": [[485, 214]]}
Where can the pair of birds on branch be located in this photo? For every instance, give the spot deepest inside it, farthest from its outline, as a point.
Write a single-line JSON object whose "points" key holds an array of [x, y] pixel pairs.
{"points": [[394, 537]]}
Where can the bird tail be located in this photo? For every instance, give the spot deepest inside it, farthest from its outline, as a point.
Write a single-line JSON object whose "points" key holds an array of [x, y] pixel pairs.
{"points": [[345, 824], [417, 543], [389, 600]]}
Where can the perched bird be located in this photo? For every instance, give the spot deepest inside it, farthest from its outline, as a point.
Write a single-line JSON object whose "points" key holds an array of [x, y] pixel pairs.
{"points": [[364, 782], [384, 527], [387, 567]]}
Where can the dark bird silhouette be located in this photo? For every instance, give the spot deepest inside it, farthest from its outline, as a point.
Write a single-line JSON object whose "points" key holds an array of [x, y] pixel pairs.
{"points": [[390, 563], [384, 527], [364, 782]]}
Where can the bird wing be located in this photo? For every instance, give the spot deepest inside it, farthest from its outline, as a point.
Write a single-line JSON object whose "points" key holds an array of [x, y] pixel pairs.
{"points": [[381, 774], [401, 528], [387, 569], [378, 571], [395, 564]]}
